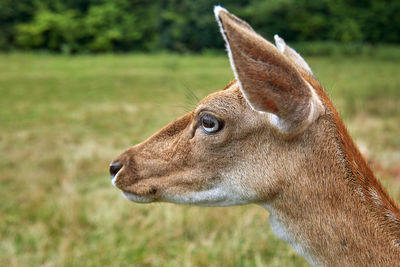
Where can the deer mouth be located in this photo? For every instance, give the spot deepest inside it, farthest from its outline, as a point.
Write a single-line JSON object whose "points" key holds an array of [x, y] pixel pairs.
{"points": [[140, 193]]}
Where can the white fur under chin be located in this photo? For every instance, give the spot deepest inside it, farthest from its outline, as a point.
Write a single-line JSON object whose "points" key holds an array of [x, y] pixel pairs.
{"points": [[136, 198], [214, 197], [220, 195]]}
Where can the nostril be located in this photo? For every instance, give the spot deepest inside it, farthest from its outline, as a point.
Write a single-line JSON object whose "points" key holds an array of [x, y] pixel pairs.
{"points": [[114, 168]]}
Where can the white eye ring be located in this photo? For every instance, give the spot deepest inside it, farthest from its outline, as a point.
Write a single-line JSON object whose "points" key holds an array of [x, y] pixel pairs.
{"points": [[210, 124]]}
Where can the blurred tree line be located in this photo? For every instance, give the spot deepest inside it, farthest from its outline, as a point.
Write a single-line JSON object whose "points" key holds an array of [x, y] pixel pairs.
{"points": [[72, 26]]}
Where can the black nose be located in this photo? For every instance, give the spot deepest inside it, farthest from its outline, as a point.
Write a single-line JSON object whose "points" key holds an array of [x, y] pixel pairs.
{"points": [[114, 168]]}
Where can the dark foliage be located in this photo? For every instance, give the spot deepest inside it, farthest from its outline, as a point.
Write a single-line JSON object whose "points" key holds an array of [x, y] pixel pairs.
{"points": [[72, 26]]}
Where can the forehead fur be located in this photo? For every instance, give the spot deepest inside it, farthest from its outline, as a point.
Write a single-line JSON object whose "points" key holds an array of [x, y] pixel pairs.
{"points": [[225, 99]]}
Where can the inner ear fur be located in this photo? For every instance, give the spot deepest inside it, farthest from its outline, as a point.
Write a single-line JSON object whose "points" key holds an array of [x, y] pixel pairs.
{"points": [[269, 81]]}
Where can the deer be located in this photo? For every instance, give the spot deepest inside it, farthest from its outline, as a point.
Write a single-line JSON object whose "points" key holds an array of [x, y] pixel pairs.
{"points": [[271, 137]]}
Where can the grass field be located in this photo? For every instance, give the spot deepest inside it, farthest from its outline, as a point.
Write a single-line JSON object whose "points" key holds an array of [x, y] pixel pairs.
{"points": [[63, 119]]}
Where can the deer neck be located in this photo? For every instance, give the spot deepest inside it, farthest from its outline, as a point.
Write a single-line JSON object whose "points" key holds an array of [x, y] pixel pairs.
{"points": [[335, 212]]}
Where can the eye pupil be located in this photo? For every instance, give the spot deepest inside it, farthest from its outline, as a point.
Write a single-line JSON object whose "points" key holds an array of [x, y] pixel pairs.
{"points": [[208, 123]]}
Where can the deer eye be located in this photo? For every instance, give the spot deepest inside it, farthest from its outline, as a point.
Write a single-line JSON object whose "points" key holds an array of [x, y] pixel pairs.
{"points": [[210, 124]]}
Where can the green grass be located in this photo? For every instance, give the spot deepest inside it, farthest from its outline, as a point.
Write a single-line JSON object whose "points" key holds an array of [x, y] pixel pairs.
{"points": [[63, 119]]}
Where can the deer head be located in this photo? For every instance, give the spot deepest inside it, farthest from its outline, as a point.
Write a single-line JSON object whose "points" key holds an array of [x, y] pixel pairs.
{"points": [[239, 144], [270, 137]]}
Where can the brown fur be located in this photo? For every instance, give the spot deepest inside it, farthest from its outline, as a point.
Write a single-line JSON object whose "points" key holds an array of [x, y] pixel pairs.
{"points": [[259, 63], [315, 183]]}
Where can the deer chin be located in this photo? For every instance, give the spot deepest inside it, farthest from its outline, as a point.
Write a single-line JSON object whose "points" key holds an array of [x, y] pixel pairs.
{"points": [[214, 195], [137, 198], [141, 192]]}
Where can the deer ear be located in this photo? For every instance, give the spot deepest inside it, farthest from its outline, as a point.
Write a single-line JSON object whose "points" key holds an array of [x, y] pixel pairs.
{"points": [[292, 55], [268, 79]]}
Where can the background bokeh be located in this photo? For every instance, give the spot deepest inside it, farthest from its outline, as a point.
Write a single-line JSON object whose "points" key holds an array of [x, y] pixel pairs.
{"points": [[80, 81], [82, 26]]}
